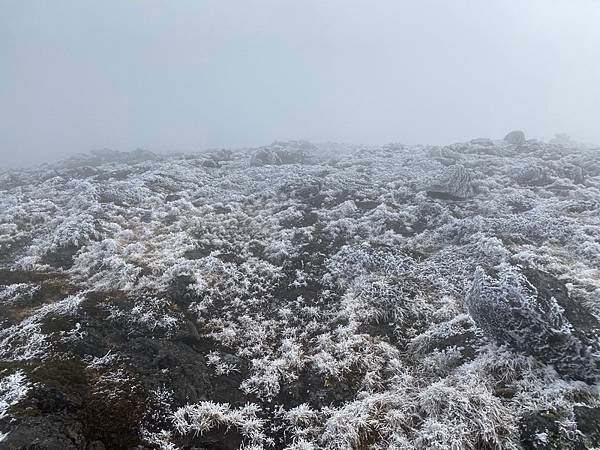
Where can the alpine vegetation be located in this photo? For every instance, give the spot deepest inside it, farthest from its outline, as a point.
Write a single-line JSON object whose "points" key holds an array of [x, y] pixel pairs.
{"points": [[304, 297]]}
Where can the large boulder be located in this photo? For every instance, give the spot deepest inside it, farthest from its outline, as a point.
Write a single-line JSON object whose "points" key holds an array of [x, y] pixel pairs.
{"points": [[210, 163], [532, 176], [532, 312], [106, 155], [279, 153], [578, 175], [486, 142], [456, 184], [515, 137]]}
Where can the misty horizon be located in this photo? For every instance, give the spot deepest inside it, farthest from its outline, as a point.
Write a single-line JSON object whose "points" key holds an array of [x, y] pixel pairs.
{"points": [[348, 147], [190, 76]]}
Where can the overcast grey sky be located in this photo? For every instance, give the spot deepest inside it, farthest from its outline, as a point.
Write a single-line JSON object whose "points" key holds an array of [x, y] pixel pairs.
{"points": [[186, 75]]}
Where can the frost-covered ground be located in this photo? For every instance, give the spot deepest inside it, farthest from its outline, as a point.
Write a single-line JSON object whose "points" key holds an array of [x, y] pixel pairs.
{"points": [[301, 297]]}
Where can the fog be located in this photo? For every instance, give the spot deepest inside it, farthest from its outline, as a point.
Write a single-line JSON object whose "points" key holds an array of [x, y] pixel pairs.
{"points": [[189, 75]]}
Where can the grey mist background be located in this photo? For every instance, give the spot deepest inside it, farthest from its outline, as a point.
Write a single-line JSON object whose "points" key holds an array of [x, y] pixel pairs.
{"points": [[187, 75]]}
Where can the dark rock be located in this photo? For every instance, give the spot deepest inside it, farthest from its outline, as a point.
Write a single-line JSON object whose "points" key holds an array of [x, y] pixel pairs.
{"points": [[588, 422], [197, 253], [61, 257], [114, 408], [51, 399], [540, 430], [8, 276], [219, 438], [48, 432], [172, 198]]}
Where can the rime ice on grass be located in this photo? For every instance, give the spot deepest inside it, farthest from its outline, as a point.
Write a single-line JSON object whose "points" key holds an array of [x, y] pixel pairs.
{"points": [[307, 297]]}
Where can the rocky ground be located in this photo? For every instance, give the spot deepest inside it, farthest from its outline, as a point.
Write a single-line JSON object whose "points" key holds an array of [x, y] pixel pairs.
{"points": [[304, 297]]}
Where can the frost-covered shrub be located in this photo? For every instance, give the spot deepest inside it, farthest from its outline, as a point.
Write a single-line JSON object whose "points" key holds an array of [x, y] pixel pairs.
{"points": [[123, 193], [459, 331], [26, 340], [268, 374], [104, 265], [220, 364], [13, 388], [75, 231], [148, 314], [445, 414], [399, 299], [17, 291], [201, 417]]}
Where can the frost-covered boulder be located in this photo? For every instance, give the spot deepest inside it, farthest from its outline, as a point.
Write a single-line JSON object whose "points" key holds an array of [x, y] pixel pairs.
{"points": [[279, 153], [563, 140], [445, 155], [535, 315], [515, 137], [222, 155], [210, 163], [457, 184], [106, 155], [265, 157], [578, 175], [532, 176], [482, 141]]}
